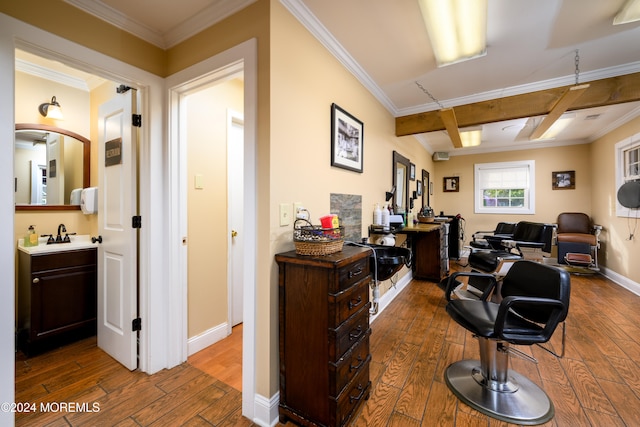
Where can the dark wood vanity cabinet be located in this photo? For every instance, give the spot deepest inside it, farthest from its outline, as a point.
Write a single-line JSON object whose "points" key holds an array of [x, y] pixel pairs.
{"points": [[324, 336], [57, 297]]}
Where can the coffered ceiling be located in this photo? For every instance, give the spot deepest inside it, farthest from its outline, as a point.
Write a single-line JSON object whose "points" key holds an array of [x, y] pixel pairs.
{"points": [[531, 47]]}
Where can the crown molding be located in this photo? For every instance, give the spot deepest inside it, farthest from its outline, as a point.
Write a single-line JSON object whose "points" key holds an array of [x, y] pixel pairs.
{"points": [[216, 12], [55, 76], [320, 32]]}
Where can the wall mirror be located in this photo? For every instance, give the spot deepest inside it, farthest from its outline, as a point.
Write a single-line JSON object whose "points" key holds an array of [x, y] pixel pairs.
{"points": [[400, 199], [49, 164], [426, 199]]}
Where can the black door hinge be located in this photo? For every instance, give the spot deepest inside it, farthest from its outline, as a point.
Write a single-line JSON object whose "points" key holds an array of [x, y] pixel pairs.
{"points": [[136, 120], [136, 324], [122, 88], [136, 221]]}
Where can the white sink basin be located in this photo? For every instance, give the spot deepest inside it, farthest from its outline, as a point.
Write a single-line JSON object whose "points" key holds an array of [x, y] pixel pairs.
{"points": [[82, 241]]}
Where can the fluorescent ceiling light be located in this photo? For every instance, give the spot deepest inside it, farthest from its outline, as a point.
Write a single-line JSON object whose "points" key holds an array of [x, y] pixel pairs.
{"points": [[457, 29], [630, 12], [471, 138], [558, 126]]}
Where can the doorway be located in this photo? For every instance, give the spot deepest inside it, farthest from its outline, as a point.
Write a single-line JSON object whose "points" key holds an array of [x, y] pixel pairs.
{"points": [[241, 58]]}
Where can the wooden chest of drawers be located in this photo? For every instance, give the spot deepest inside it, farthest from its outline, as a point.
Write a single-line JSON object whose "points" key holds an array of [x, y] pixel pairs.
{"points": [[324, 336]]}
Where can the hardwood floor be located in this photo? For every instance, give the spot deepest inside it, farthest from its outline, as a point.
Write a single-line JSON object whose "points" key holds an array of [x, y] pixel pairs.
{"points": [[597, 383]]}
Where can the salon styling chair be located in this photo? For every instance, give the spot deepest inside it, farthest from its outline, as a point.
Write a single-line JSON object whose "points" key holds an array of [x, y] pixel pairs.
{"points": [[533, 301], [503, 230], [578, 240]]}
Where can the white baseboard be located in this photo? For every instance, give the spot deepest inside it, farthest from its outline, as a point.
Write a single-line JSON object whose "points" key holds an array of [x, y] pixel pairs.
{"points": [[390, 295], [621, 280], [208, 337], [266, 410]]}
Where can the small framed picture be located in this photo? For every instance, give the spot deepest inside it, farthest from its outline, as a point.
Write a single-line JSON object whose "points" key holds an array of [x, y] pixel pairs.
{"points": [[451, 184], [346, 140], [565, 180], [412, 172]]}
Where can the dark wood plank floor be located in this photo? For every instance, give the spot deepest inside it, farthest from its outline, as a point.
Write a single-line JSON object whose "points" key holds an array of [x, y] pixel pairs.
{"points": [[597, 383]]}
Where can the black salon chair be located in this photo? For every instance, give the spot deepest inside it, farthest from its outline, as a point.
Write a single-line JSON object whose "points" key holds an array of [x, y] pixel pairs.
{"points": [[487, 240], [533, 301]]}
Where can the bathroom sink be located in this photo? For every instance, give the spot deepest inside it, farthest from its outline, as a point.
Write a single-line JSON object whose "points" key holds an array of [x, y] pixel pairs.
{"points": [[388, 260], [77, 242]]}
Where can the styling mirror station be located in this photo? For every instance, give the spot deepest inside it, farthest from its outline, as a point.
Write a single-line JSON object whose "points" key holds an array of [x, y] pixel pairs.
{"points": [[400, 199], [52, 166]]}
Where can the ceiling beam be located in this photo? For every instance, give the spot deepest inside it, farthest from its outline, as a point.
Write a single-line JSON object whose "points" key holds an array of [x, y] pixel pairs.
{"points": [[563, 104], [609, 91], [448, 117]]}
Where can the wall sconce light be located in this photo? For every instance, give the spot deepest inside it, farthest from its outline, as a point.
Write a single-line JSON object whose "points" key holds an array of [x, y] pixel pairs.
{"points": [[389, 194], [51, 110]]}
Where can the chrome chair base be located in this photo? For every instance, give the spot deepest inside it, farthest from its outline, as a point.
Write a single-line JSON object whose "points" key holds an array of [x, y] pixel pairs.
{"points": [[517, 400]]}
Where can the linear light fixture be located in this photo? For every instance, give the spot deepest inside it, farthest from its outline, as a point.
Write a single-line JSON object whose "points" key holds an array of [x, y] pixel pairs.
{"points": [[457, 29], [471, 137], [558, 110], [558, 126], [630, 12]]}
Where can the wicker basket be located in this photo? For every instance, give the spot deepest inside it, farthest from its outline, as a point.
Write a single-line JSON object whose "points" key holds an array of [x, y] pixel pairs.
{"points": [[315, 240]]}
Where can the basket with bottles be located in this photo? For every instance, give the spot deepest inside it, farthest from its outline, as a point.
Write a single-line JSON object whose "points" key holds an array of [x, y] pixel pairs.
{"points": [[317, 240]]}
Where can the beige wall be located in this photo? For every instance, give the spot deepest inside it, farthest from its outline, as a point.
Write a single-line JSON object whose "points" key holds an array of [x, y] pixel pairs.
{"points": [[207, 207], [619, 254], [549, 203]]}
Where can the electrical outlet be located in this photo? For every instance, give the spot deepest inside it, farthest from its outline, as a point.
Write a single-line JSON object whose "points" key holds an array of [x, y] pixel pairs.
{"points": [[296, 207], [285, 214]]}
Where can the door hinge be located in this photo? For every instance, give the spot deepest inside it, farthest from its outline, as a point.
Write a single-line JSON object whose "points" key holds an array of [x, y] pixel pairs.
{"points": [[136, 325], [122, 88], [136, 221], [136, 120]]}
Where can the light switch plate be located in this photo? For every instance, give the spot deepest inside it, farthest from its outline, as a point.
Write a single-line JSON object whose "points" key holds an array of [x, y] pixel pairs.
{"points": [[199, 182], [285, 214]]}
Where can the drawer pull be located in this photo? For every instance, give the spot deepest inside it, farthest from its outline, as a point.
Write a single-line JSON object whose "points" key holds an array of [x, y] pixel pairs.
{"points": [[358, 366], [358, 397], [36, 280], [357, 335], [354, 303], [355, 273]]}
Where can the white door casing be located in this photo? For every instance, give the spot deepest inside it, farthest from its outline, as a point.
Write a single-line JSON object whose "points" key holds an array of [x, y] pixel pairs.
{"points": [[117, 204], [235, 197]]}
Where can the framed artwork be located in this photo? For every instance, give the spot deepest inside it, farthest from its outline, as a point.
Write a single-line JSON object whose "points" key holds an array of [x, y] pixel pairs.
{"points": [[451, 184], [346, 140], [565, 180], [412, 172]]}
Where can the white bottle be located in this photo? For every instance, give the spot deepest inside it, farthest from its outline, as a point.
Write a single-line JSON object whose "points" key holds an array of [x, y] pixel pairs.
{"points": [[377, 215], [385, 218]]}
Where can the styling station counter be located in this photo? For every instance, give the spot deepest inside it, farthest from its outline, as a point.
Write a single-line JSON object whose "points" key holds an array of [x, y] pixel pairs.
{"points": [[428, 243]]}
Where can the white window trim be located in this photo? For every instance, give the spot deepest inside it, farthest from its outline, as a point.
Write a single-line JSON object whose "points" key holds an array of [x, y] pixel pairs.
{"points": [[531, 209], [621, 147]]}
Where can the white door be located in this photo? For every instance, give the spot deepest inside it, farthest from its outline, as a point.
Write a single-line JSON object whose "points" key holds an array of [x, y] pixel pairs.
{"points": [[235, 195], [55, 170], [117, 204]]}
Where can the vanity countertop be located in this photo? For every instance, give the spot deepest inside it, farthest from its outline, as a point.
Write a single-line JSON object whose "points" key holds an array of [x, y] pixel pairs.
{"points": [[421, 227], [82, 241]]}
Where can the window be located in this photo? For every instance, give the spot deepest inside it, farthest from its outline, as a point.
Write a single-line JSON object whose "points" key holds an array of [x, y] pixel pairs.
{"points": [[507, 187], [627, 167]]}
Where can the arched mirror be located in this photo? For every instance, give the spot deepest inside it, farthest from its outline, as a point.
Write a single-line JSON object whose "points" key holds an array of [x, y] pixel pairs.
{"points": [[52, 166], [401, 183]]}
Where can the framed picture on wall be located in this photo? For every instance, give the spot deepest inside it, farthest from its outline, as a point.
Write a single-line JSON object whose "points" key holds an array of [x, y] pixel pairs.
{"points": [[451, 184], [412, 172], [346, 140], [565, 180]]}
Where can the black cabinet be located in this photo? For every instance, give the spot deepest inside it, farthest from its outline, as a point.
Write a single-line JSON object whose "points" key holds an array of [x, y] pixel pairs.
{"points": [[57, 298]]}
